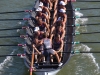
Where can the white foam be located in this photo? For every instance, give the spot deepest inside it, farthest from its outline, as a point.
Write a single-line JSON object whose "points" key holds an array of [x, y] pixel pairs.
{"points": [[80, 21], [89, 55], [6, 62]]}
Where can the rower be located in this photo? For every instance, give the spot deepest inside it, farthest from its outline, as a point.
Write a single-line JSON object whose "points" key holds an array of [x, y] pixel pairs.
{"points": [[44, 9], [61, 16], [38, 33], [43, 26], [47, 3], [54, 3], [58, 45], [58, 23], [59, 31], [47, 43], [61, 5], [41, 15]]}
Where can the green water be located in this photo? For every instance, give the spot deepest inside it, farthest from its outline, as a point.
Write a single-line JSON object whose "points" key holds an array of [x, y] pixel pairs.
{"points": [[79, 64]]}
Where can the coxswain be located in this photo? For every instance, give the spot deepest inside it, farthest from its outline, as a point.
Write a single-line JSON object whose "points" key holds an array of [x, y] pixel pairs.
{"points": [[47, 43]]}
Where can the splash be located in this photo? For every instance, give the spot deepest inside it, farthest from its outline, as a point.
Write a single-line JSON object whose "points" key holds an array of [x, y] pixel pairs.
{"points": [[6, 62], [89, 55], [80, 21]]}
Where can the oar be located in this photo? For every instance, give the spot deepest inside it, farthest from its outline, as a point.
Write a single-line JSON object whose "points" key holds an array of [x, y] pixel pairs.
{"points": [[77, 9], [16, 11], [32, 63], [24, 27], [22, 36], [14, 45], [78, 33], [81, 42], [76, 25], [13, 55], [74, 51], [34, 19], [15, 19], [77, 52], [81, 1], [76, 17]]}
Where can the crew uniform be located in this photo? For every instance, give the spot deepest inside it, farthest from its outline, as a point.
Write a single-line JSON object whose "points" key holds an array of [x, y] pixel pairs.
{"points": [[56, 45], [47, 47], [42, 27]]}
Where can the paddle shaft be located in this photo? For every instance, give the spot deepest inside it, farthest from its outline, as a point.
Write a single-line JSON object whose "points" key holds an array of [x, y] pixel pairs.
{"points": [[83, 52], [81, 1], [32, 62], [34, 19]]}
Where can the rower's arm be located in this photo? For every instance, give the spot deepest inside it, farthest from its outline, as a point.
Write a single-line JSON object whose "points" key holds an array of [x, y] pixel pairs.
{"points": [[48, 12], [62, 37], [55, 19], [47, 26], [47, 18], [36, 49], [61, 47], [50, 4], [65, 19], [36, 17], [55, 13], [55, 5]]}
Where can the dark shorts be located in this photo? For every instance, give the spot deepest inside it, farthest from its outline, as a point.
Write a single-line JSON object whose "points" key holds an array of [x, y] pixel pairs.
{"points": [[48, 52]]}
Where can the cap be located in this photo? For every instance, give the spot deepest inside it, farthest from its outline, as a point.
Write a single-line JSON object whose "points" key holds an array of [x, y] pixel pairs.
{"points": [[41, 4], [62, 10], [62, 3], [36, 29], [39, 9]]}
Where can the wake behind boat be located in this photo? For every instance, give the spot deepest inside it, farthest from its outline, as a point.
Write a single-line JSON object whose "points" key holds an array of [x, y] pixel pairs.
{"points": [[48, 66]]}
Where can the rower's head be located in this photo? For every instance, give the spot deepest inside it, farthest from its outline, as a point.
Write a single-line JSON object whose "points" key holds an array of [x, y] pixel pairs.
{"points": [[39, 21], [36, 39], [45, 35], [39, 13], [41, 4], [59, 28], [59, 23], [62, 4], [62, 11]]}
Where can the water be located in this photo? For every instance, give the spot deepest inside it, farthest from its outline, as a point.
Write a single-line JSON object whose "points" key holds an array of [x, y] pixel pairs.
{"points": [[80, 64]]}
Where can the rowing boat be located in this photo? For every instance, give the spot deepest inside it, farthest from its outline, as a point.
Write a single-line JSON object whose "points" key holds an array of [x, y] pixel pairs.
{"points": [[50, 69]]}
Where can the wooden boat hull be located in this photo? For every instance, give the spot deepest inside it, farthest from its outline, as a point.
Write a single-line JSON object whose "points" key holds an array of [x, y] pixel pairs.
{"points": [[67, 47]]}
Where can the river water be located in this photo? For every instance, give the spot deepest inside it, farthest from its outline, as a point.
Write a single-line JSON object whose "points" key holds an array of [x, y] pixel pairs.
{"points": [[79, 64]]}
